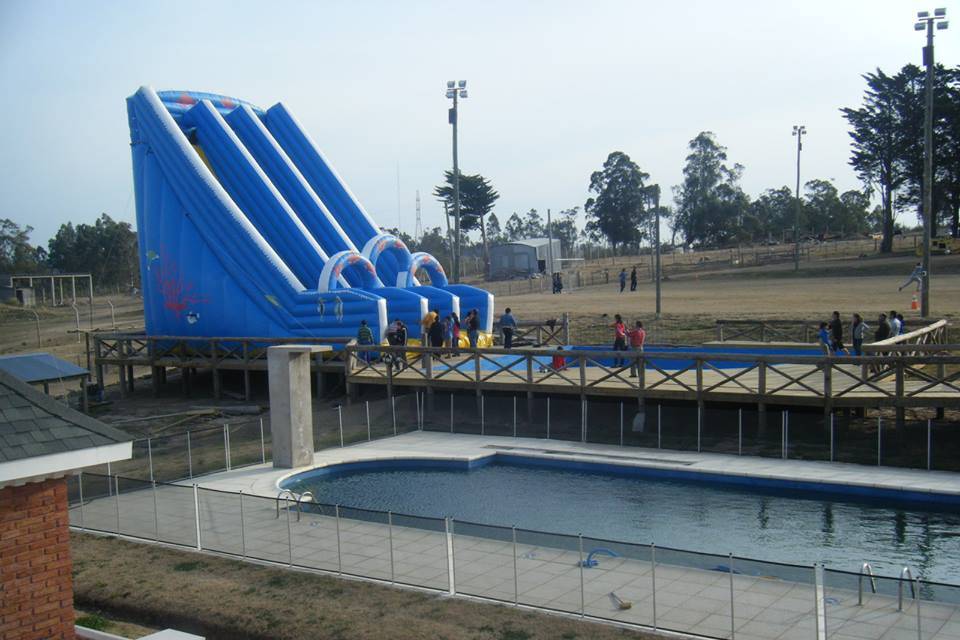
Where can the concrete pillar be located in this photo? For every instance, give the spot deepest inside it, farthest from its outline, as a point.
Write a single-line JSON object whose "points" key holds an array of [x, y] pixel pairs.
{"points": [[291, 407]]}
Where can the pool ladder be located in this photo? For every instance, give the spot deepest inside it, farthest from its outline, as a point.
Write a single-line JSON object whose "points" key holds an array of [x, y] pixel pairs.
{"points": [[298, 500], [866, 571]]}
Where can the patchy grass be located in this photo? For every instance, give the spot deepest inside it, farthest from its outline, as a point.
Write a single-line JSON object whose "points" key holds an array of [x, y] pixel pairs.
{"points": [[224, 598]]}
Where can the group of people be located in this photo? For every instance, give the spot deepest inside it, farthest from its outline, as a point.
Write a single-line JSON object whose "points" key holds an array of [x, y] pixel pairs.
{"points": [[831, 333], [623, 336], [434, 332], [623, 279]]}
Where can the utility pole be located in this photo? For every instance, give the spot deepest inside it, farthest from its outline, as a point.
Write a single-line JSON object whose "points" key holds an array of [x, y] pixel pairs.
{"points": [[456, 89], [656, 241], [798, 131], [418, 229], [549, 245], [926, 22]]}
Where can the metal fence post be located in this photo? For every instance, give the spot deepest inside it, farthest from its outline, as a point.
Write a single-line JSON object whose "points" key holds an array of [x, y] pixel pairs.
{"points": [[929, 461], [263, 446], [832, 438], [336, 511], [516, 572], [116, 498], [653, 579], [786, 434], [80, 484], [783, 423], [451, 581], [393, 413], [733, 625], [390, 537], [340, 422], [819, 602], [699, 425], [451, 412], [621, 424], [658, 426], [482, 416], [150, 458], [243, 536], [580, 564], [879, 439], [189, 456], [109, 484], [548, 417], [583, 420], [226, 445], [514, 416], [290, 536], [156, 513], [196, 515], [740, 432], [366, 404]]}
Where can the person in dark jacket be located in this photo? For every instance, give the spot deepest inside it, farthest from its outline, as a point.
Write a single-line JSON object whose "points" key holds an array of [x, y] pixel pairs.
{"points": [[436, 330], [473, 327], [883, 328], [836, 333], [633, 279]]}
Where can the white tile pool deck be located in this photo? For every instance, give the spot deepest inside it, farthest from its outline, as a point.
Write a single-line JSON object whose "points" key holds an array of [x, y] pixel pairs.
{"points": [[688, 600]]}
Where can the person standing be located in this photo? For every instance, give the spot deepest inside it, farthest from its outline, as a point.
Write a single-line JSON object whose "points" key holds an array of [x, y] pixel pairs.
{"points": [[455, 321], [633, 279], [448, 331], [858, 331], [637, 337], [619, 338], [883, 328], [896, 324], [836, 333], [623, 280], [425, 325], [436, 330], [824, 335], [559, 282], [508, 325], [473, 327], [364, 337]]}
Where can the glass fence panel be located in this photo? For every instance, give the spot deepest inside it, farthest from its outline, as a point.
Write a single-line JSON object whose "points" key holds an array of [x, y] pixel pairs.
{"points": [[501, 414], [945, 446], [679, 429], [484, 561], [641, 424], [420, 551], [207, 451], [466, 413], [176, 515], [221, 528], [73, 501], [532, 416], [808, 435], [170, 462], [99, 507], [564, 418], [365, 543], [548, 572], [314, 535], [693, 592], [267, 537], [354, 417], [905, 444], [617, 581], [437, 414], [135, 510], [407, 409], [855, 438], [245, 447], [720, 428], [605, 421], [326, 427], [137, 467]]}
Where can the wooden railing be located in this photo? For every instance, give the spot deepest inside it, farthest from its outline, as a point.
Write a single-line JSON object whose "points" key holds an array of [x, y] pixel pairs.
{"points": [[798, 330], [552, 331], [818, 380]]}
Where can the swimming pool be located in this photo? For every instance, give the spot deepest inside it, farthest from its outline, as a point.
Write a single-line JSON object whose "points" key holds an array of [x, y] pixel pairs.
{"points": [[797, 524]]}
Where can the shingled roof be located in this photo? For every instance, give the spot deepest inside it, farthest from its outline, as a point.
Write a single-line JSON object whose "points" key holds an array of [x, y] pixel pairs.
{"points": [[34, 425]]}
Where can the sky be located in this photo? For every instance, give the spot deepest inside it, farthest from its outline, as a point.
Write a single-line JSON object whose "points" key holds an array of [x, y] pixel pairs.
{"points": [[554, 87]]}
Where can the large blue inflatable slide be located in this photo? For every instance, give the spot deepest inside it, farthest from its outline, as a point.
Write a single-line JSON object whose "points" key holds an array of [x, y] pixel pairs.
{"points": [[246, 230]]}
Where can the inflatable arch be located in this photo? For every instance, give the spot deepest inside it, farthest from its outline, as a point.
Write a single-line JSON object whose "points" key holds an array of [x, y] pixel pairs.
{"points": [[425, 261], [346, 263], [385, 244]]}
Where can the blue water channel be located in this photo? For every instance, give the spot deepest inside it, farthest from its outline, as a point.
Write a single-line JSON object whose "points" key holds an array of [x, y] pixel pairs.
{"points": [[754, 521]]}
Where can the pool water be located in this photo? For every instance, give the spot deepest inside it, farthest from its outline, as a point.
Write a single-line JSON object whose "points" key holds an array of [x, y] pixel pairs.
{"points": [[765, 524]]}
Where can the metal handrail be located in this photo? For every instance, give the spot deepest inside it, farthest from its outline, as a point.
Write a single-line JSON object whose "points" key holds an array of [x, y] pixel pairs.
{"points": [[865, 570], [300, 499], [913, 589], [285, 493]]}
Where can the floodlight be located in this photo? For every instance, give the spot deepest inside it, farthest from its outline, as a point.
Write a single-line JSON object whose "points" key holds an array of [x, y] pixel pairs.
{"points": [[923, 14], [942, 25], [919, 26], [450, 94], [463, 93], [463, 84], [451, 84], [941, 12]]}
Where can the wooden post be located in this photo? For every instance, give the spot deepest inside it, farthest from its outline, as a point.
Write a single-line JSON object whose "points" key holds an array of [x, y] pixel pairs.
{"points": [[84, 405], [97, 345], [122, 369], [827, 369], [566, 327], [901, 409], [762, 392]]}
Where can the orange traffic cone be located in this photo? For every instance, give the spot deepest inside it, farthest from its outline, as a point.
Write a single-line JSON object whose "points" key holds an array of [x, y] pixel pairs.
{"points": [[914, 305]]}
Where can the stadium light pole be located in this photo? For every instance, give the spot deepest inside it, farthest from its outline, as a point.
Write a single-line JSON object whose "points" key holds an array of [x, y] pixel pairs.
{"points": [[926, 22], [798, 131], [456, 89], [653, 197]]}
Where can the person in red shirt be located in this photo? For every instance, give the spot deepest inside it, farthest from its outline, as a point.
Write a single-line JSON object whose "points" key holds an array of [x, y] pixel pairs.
{"points": [[637, 337], [619, 339], [558, 362]]}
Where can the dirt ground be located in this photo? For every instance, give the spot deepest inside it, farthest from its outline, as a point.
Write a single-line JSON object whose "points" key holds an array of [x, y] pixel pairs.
{"points": [[221, 598]]}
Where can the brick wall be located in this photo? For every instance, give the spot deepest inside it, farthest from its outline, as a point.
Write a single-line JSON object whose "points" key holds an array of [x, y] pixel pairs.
{"points": [[36, 586]]}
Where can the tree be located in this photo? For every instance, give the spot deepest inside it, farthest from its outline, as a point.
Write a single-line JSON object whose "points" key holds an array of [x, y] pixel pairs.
{"points": [[477, 198], [563, 227], [772, 212], [710, 203], [617, 210], [514, 229], [107, 249], [17, 255], [494, 233], [533, 226]]}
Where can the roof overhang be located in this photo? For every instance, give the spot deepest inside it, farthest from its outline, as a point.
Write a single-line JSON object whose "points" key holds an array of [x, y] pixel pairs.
{"points": [[36, 468]]}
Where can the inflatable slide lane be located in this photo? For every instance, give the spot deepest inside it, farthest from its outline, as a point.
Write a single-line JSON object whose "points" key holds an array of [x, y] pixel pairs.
{"points": [[234, 239]]}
